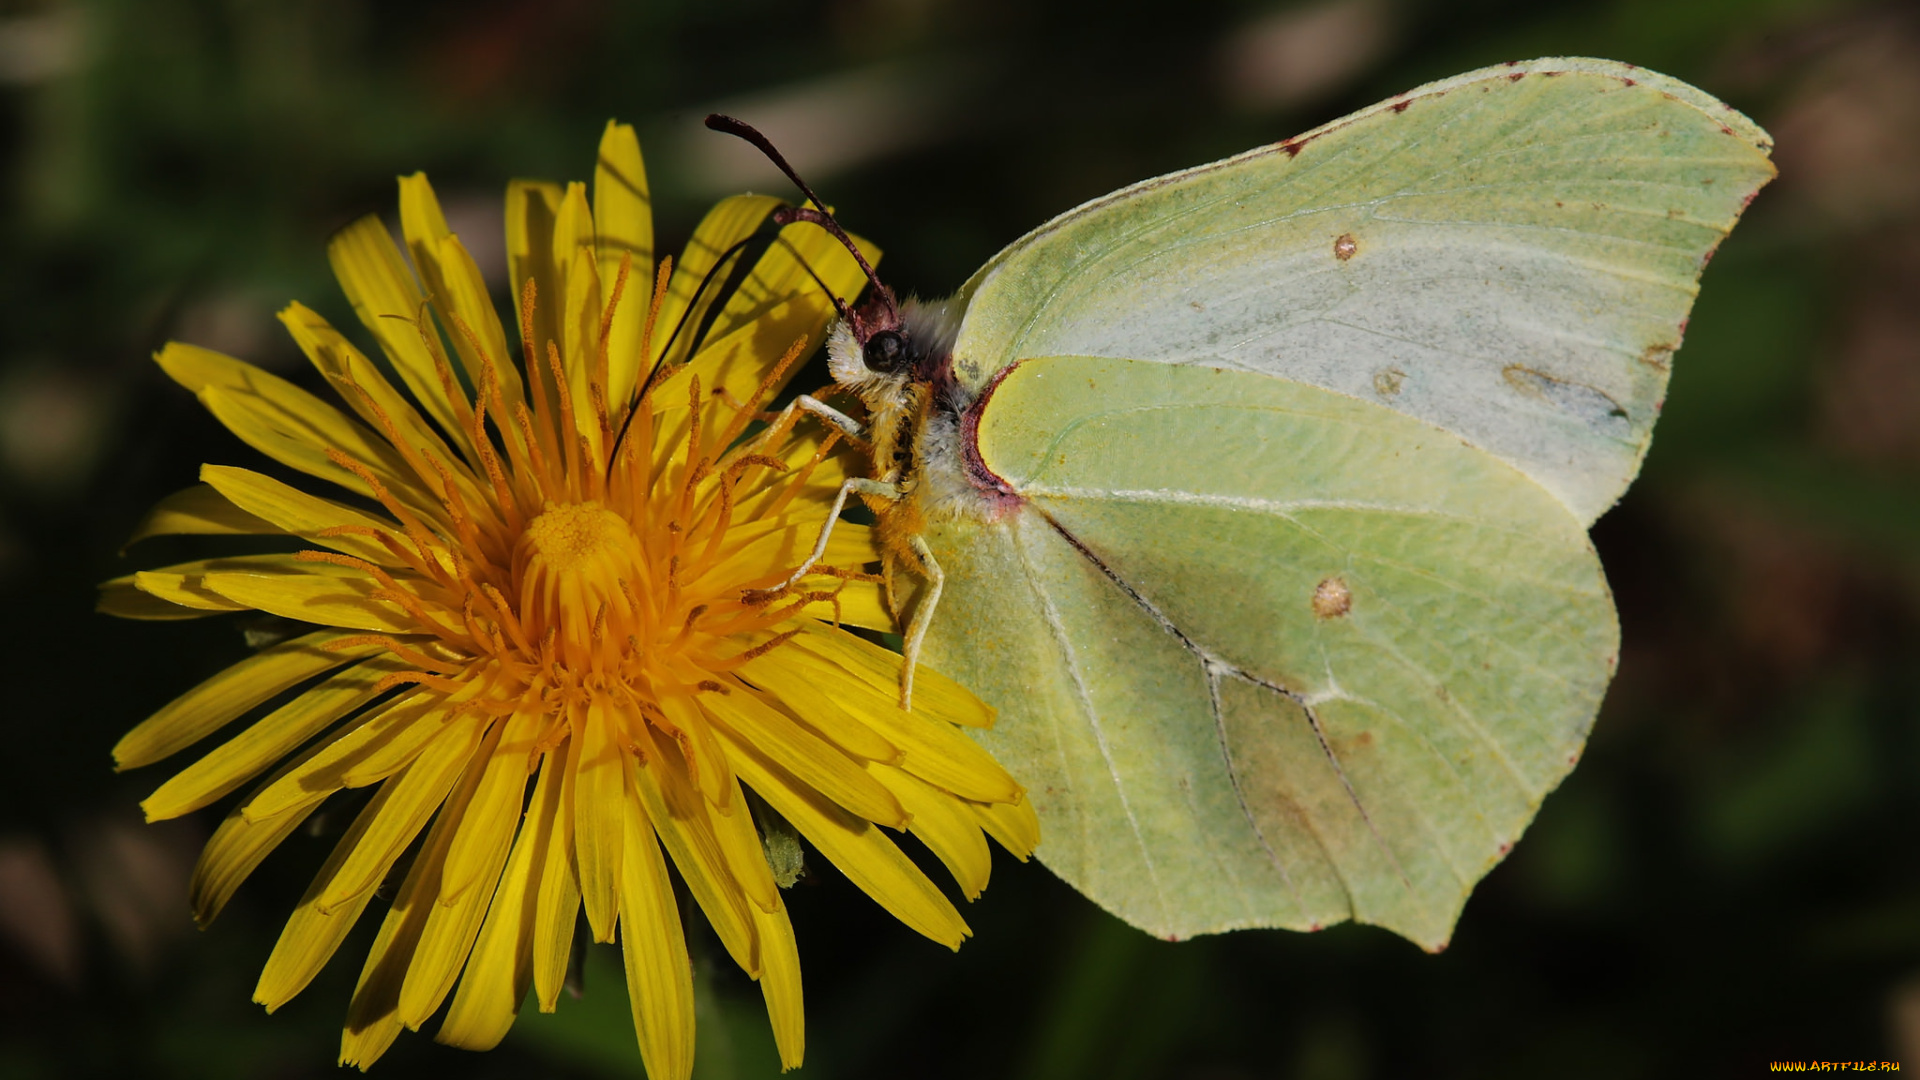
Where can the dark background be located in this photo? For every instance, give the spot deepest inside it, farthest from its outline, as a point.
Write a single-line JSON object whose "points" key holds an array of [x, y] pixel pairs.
{"points": [[1729, 877]]}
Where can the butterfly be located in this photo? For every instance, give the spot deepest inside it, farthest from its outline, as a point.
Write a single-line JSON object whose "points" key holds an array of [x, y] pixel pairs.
{"points": [[1255, 497]]}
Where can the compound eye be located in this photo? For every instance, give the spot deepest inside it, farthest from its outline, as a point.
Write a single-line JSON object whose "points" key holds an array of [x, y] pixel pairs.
{"points": [[885, 352]]}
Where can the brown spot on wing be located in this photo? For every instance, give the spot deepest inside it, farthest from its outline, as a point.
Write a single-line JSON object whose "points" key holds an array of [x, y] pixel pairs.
{"points": [[1331, 599]]}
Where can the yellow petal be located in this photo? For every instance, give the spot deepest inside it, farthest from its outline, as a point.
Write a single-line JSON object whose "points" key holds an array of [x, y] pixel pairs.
{"points": [[532, 206], [623, 216], [421, 219], [366, 1038], [1013, 824], [781, 276], [199, 511], [498, 970], [764, 550], [778, 301], [378, 744], [458, 289], [185, 583], [786, 676], [731, 221], [240, 843], [859, 603], [741, 848], [181, 584], [496, 807], [285, 422], [123, 598], [373, 1016], [583, 310], [771, 549], [373, 1020], [856, 847], [814, 761], [210, 706], [362, 387], [851, 545], [383, 293], [737, 362], [821, 481], [271, 738], [708, 764], [780, 985], [681, 818], [659, 974], [237, 847], [315, 597], [599, 791], [501, 966], [287, 509], [880, 668], [930, 749], [481, 837], [417, 793], [315, 930], [557, 908], [578, 297], [942, 821]]}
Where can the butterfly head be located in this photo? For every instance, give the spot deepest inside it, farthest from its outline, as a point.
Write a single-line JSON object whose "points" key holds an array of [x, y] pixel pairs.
{"points": [[880, 349]]}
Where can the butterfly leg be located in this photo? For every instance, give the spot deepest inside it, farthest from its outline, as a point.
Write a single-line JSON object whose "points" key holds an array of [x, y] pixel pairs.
{"points": [[922, 617], [847, 424], [807, 403], [857, 485]]}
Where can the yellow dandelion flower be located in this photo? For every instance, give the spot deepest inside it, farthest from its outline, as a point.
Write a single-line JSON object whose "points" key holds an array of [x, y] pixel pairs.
{"points": [[549, 633]]}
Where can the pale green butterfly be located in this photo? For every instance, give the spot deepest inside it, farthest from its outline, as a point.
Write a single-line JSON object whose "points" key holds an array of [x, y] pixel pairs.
{"points": [[1255, 496]]}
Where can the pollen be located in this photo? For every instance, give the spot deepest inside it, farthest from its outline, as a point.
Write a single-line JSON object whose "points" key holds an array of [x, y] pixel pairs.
{"points": [[577, 568], [582, 540]]}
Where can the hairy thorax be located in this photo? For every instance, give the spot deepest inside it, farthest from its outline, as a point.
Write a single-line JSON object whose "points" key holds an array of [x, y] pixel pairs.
{"points": [[916, 421]]}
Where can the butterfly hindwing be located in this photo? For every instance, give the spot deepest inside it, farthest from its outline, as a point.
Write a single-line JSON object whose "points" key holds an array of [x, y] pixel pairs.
{"points": [[1267, 655]]}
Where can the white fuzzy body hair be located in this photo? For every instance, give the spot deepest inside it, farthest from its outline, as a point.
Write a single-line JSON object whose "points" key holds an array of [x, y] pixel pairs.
{"points": [[945, 491]]}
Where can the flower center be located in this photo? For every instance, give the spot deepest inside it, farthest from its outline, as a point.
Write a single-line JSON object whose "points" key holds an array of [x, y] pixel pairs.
{"points": [[580, 571]]}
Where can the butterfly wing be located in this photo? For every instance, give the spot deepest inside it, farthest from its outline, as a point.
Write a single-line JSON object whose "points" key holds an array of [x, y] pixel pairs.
{"points": [[1267, 655], [1509, 254]]}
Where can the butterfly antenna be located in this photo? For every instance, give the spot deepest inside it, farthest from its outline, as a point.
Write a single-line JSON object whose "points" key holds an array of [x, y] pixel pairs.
{"points": [[817, 215], [640, 391], [693, 302]]}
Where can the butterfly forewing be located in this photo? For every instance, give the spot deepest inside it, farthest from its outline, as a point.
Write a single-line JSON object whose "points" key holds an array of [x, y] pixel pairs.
{"points": [[1509, 254]]}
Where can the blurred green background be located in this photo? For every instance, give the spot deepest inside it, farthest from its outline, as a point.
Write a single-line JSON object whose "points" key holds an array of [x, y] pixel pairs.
{"points": [[1730, 876]]}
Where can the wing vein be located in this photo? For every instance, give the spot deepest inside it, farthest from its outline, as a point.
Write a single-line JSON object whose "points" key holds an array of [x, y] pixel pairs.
{"points": [[1240, 798], [1207, 657], [1065, 644]]}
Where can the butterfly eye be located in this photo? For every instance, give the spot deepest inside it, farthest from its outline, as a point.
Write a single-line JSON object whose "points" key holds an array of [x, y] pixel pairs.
{"points": [[885, 352]]}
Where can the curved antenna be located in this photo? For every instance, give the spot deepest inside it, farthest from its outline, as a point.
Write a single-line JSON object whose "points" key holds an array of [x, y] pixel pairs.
{"points": [[818, 216], [741, 129], [693, 303]]}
